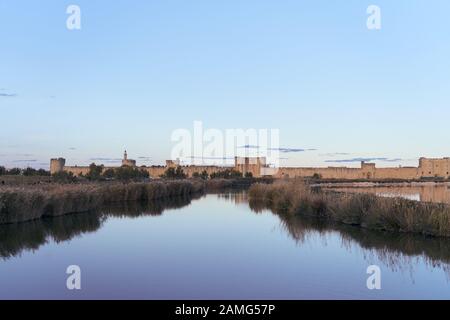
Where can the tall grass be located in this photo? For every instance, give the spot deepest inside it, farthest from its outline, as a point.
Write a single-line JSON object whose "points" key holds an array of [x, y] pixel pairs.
{"points": [[19, 204], [18, 237], [365, 210]]}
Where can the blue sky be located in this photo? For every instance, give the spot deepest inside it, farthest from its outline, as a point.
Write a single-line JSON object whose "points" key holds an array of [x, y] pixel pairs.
{"points": [[138, 70]]}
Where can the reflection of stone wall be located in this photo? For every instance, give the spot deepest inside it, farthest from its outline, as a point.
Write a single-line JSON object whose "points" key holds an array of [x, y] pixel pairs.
{"points": [[435, 194], [427, 193]]}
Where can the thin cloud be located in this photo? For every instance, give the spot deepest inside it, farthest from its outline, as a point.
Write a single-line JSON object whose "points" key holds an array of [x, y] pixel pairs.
{"points": [[25, 160], [8, 95], [106, 159], [334, 154], [21, 155], [291, 150], [212, 158], [283, 150], [25, 155], [363, 159]]}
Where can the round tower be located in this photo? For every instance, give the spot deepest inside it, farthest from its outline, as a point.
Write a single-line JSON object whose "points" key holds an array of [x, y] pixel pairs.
{"points": [[57, 165]]}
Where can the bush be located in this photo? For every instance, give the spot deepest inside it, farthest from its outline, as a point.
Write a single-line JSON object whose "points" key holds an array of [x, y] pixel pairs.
{"points": [[226, 174], [95, 172], [174, 173], [317, 176], [109, 174], [33, 172], [203, 175], [126, 173], [63, 177], [14, 172]]}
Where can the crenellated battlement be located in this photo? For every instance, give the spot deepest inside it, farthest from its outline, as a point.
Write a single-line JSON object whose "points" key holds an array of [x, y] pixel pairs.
{"points": [[257, 166]]}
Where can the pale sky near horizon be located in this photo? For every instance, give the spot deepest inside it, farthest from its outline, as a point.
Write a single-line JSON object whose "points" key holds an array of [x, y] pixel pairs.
{"points": [[138, 70]]}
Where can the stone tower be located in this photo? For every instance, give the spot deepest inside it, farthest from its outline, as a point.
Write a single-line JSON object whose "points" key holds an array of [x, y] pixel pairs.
{"points": [[57, 165], [126, 161]]}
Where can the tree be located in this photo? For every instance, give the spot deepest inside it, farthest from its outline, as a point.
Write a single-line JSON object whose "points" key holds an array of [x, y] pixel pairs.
{"points": [[204, 175], [42, 172], [127, 173], [29, 172], [94, 172], [317, 176], [33, 172], [2, 171], [226, 174], [249, 175], [63, 177], [14, 171], [109, 173], [172, 173]]}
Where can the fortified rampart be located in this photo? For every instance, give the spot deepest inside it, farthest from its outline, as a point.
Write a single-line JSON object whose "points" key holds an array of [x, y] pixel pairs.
{"points": [[428, 168]]}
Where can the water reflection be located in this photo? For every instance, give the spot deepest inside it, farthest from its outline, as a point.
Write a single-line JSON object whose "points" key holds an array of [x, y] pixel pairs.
{"points": [[15, 238], [236, 197], [398, 251], [395, 250], [427, 193], [19, 237]]}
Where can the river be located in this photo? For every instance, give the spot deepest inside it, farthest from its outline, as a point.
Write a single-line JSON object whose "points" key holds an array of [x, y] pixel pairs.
{"points": [[214, 247]]}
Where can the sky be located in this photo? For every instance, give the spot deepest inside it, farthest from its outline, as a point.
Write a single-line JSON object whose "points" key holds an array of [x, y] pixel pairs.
{"points": [[137, 71]]}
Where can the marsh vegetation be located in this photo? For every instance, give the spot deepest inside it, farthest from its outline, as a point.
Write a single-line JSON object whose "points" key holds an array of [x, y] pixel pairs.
{"points": [[24, 203], [360, 209]]}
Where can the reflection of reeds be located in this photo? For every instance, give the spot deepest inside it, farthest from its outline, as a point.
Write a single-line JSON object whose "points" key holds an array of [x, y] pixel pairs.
{"points": [[368, 211], [28, 203], [137, 209], [18, 237], [397, 250]]}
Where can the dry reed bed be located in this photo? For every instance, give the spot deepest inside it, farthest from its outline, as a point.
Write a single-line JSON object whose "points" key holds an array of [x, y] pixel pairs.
{"points": [[19, 204], [365, 210]]}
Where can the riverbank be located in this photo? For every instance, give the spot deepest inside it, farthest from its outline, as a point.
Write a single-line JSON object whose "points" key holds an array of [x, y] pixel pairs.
{"points": [[359, 209], [24, 203], [367, 184]]}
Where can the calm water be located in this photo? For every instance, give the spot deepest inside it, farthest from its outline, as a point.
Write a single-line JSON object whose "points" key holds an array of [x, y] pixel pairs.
{"points": [[426, 193], [214, 247]]}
